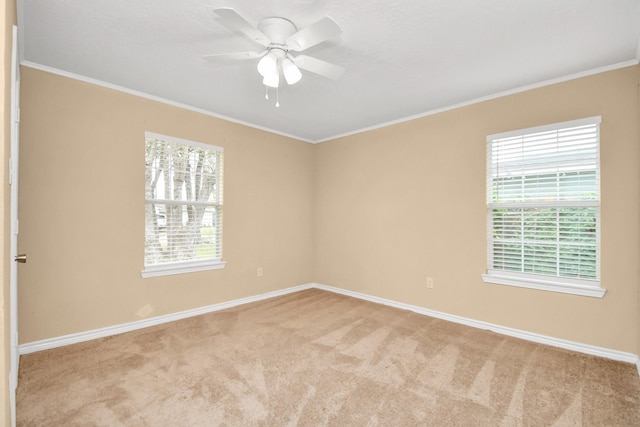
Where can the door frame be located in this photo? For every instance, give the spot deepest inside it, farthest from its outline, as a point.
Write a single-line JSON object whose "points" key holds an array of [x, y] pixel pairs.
{"points": [[13, 181]]}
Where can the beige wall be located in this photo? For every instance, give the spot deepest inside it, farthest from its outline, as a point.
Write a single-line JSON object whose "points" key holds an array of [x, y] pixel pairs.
{"points": [[8, 19], [376, 212], [398, 204], [82, 209]]}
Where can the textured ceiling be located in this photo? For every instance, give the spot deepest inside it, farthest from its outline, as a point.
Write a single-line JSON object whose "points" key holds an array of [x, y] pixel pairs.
{"points": [[403, 58]]}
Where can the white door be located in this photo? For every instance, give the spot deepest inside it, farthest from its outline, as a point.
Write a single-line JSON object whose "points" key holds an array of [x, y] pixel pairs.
{"points": [[15, 258]]}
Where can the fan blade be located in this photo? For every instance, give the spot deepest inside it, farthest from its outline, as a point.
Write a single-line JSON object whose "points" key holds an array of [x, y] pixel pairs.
{"points": [[231, 56], [238, 25], [324, 29], [318, 66]]}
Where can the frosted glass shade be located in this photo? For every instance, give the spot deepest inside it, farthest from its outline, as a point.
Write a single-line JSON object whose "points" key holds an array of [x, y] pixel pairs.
{"points": [[268, 65], [291, 73]]}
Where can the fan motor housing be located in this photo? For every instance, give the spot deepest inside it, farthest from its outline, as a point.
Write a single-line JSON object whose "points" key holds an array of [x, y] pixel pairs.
{"points": [[277, 29]]}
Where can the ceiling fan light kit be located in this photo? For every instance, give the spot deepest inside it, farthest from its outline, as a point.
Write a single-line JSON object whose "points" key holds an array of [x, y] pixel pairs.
{"points": [[279, 36], [269, 67]]}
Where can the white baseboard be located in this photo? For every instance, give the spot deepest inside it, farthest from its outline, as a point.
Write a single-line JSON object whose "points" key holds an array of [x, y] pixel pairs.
{"points": [[517, 333], [145, 323]]}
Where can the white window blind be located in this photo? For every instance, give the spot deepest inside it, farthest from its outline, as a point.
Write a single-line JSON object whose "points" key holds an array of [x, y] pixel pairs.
{"points": [[183, 215], [543, 194]]}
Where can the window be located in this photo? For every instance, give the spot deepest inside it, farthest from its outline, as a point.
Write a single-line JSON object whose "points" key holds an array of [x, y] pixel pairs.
{"points": [[543, 203], [183, 213]]}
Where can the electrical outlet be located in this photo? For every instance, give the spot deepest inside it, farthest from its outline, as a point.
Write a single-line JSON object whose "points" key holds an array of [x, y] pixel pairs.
{"points": [[430, 282], [259, 271]]}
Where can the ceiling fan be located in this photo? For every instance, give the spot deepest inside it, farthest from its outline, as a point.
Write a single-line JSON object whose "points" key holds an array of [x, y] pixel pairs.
{"points": [[280, 38]]}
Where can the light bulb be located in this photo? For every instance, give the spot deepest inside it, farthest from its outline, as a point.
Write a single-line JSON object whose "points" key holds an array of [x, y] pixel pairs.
{"points": [[291, 73]]}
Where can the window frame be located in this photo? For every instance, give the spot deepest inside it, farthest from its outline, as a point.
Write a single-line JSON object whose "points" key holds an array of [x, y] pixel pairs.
{"points": [[181, 267], [554, 283]]}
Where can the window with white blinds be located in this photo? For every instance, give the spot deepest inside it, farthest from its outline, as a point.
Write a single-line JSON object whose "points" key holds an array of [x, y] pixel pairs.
{"points": [[183, 213], [543, 201]]}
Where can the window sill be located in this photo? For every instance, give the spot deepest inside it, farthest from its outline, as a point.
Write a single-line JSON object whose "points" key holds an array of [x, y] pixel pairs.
{"points": [[592, 289], [181, 268]]}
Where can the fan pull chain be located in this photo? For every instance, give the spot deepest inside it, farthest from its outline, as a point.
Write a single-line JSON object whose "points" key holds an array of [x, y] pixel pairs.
{"points": [[266, 95]]}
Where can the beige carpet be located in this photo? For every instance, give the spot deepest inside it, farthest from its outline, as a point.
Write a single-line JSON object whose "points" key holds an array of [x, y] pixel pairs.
{"points": [[316, 358]]}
